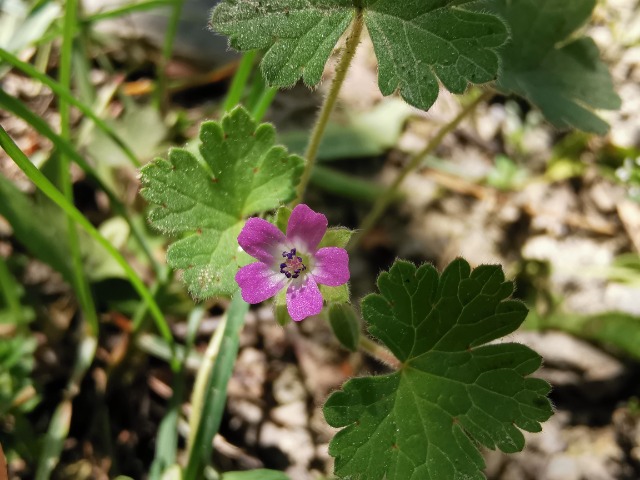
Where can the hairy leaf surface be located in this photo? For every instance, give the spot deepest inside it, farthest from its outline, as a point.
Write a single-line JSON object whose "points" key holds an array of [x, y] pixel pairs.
{"points": [[240, 173], [417, 42], [564, 77], [453, 390]]}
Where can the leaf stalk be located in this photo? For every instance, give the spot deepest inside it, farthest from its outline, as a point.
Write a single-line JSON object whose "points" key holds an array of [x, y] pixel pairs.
{"points": [[391, 193], [378, 352], [329, 103]]}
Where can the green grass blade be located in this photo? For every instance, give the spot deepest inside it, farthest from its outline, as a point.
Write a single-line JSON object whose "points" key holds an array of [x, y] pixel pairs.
{"points": [[209, 400], [53, 441], [50, 191], [58, 429], [64, 94], [345, 185], [81, 284], [10, 292], [263, 104], [258, 86], [240, 79], [167, 440], [125, 10], [161, 93]]}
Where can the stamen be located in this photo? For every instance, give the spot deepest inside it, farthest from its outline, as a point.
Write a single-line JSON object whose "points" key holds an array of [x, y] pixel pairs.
{"points": [[293, 265]]}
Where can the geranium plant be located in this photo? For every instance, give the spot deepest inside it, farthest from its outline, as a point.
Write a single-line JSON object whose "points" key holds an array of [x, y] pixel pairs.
{"points": [[453, 390]]}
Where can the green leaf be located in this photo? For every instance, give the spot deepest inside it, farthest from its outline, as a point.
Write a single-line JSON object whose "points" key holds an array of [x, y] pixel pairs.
{"points": [[241, 173], [209, 395], [565, 78], [416, 42], [452, 391]]}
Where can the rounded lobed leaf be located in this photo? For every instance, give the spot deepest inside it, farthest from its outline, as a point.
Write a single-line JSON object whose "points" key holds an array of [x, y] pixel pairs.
{"points": [[452, 390], [239, 172], [417, 42], [564, 78]]}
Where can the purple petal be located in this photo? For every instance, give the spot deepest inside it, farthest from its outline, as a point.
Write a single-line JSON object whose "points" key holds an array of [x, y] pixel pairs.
{"points": [[307, 227], [258, 282], [304, 298], [262, 240], [332, 266]]}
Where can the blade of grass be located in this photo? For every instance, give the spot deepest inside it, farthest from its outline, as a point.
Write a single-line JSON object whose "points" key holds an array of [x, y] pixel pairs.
{"points": [[81, 61], [260, 97], [240, 79], [258, 86], [167, 441], [55, 31], [161, 93], [264, 102], [41, 60], [64, 94], [210, 393], [81, 283], [39, 20], [155, 346], [58, 429], [43, 128], [346, 186], [50, 191], [59, 426], [125, 10], [53, 441], [10, 292]]}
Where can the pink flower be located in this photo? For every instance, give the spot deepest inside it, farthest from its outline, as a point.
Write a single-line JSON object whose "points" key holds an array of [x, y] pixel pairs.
{"points": [[293, 262]]}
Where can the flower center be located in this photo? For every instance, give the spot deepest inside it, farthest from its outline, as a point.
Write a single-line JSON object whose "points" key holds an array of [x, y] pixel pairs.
{"points": [[293, 265]]}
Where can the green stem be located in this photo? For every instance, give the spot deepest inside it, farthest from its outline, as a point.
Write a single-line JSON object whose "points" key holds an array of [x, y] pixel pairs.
{"points": [[414, 162], [240, 79], [378, 352], [311, 154]]}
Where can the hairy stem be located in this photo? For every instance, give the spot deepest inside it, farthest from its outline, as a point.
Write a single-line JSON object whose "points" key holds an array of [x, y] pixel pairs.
{"points": [[414, 162], [378, 352], [311, 153]]}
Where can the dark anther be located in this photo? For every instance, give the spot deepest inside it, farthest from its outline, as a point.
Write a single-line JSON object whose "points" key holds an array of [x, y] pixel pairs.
{"points": [[293, 266]]}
